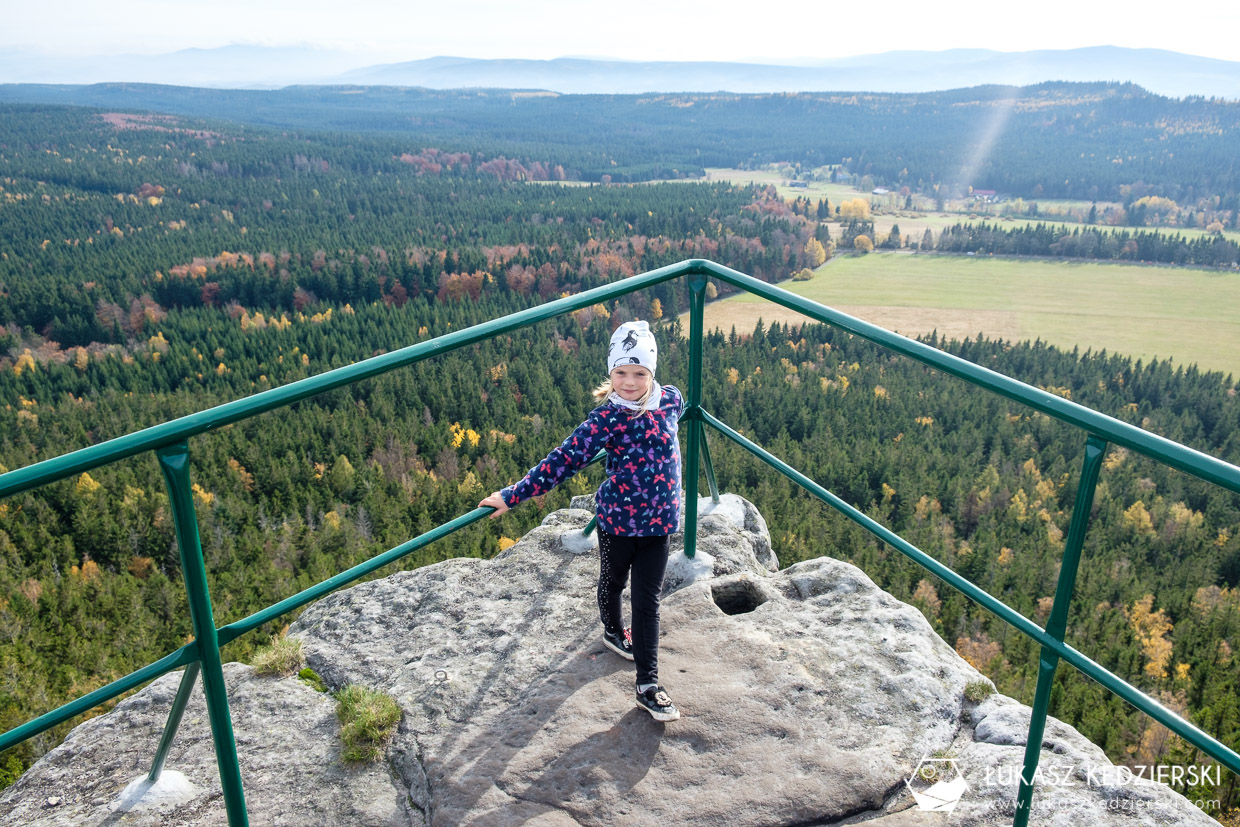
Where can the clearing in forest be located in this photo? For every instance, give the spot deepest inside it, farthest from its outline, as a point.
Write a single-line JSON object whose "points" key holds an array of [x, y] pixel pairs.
{"points": [[1145, 312]]}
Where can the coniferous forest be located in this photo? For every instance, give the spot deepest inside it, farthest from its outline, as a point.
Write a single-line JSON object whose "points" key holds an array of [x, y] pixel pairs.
{"points": [[1096, 141], [152, 266]]}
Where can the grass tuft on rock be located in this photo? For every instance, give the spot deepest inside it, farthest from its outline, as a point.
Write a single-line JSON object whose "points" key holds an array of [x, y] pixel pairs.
{"points": [[978, 691], [368, 719], [282, 657]]}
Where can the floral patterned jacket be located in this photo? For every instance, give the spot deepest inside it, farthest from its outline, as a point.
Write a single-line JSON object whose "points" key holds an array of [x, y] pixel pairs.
{"points": [[641, 495]]}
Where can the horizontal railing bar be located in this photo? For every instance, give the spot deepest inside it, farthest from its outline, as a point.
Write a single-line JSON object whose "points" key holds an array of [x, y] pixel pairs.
{"points": [[186, 654], [1121, 433], [234, 630], [85, 459], [1216, 749]]}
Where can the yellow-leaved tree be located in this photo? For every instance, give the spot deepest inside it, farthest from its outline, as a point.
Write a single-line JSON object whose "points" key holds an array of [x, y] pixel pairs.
{"points": [[855, 208], [815, 253], [1152, 629]]}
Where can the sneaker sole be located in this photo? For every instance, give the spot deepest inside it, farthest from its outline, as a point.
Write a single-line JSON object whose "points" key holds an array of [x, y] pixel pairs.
{"points": [[659, 716], [617, 650]]}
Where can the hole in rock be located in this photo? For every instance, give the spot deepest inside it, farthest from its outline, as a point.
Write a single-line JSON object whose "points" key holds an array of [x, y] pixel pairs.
{"points": [[737, 597]]}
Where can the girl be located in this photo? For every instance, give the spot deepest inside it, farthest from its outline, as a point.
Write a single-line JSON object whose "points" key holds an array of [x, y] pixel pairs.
{"points": [[638, 504]]}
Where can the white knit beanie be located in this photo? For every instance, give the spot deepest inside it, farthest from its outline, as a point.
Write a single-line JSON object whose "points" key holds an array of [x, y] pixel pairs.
{"points": [[633, 344]]}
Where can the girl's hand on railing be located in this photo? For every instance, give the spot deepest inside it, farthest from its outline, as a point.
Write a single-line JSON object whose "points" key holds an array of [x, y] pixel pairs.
{"points": [[494, 501]]}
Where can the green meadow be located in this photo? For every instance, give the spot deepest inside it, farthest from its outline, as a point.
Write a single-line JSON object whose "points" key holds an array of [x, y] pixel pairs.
{"points": [[1186, 315], [889, 208]]}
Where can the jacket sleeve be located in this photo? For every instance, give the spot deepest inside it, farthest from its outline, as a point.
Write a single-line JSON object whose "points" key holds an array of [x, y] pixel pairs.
{"points": [[573, 454], [680, 398]]}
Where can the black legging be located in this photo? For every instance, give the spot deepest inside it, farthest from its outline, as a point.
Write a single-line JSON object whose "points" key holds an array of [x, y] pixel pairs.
{"points": [[647, 558]]}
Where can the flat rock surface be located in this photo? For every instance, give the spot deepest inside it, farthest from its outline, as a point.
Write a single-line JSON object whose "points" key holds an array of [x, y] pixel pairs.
{"points": [[808, 696], [288, 746]]}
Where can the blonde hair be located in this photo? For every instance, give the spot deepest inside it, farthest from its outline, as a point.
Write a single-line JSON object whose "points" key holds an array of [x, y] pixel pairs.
{"points": [[604, 390]]}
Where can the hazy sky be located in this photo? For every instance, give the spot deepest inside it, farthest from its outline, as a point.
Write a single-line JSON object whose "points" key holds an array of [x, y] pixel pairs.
{"points": [[635, 29]]}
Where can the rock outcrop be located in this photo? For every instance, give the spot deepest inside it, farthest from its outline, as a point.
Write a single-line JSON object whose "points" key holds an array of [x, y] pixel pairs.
{"points": [[808, 695]]}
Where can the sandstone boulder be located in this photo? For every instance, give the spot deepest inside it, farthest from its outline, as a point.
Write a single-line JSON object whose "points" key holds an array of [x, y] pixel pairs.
{"points": [[288, 745], [808, 695]]}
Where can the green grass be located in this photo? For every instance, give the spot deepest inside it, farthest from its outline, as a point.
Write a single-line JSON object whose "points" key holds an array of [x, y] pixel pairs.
{"points": [[835, 193], [283, 657], [368, 719], [978, 691], [1181, 314], [890, 207]]}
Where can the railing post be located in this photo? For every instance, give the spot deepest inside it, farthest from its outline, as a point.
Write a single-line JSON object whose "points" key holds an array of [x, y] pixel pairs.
{"points": [[174, 462], [693, 408], [188, 678], [1057, 623], [709, 466]]}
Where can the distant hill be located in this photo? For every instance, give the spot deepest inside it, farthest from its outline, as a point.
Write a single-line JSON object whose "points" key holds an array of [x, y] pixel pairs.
{"points": [[257, 67], [1162, 72], [237, 66]]}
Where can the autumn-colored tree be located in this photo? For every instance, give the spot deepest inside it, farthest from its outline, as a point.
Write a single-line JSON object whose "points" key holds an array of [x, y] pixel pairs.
{"points": [[815, 253], [980, 651], [1152, 629], [863, 243], [1156, 210], [210, 293], [520, 279], [857, 208], [24, 362], [926, 598], [397, 296]]}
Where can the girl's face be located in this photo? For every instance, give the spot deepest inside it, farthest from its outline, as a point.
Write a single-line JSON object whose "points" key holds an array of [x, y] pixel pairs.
{"points": [[630, 381]]}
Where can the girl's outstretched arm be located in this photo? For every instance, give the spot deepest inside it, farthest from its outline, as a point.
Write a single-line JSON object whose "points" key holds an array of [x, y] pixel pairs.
{"points": [[494, 501], [573, 454]]}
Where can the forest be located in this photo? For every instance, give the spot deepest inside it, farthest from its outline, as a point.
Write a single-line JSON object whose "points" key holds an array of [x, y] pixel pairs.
{"points": [[151, 267], [1094, 141], [1090, 243]]}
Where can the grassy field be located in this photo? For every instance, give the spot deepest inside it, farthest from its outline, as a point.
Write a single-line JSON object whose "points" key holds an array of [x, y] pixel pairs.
{"points": [[915, 222], [762, 177], [1186, 315]]}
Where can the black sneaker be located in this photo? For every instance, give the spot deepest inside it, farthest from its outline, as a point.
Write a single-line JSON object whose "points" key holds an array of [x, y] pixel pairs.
{"points": [[655, 701], [621, 644]]}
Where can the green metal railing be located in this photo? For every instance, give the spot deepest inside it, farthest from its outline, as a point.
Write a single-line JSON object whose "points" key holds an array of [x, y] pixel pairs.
{"points": [[169, 441]]}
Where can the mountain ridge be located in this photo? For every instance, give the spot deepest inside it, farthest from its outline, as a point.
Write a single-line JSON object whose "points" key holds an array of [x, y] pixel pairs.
{"points": [[1172, 74], [1166, 73]]}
